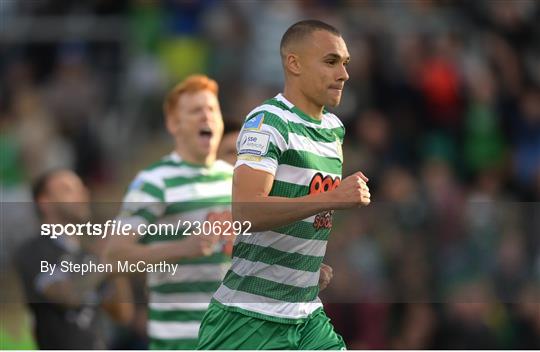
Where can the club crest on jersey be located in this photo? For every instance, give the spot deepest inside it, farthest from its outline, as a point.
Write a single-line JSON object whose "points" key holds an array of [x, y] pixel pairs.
{"points": [[339, 148], [254, 123]]}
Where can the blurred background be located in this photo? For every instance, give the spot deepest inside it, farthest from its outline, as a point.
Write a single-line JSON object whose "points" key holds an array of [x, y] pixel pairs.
{"points": [[442, 112]]}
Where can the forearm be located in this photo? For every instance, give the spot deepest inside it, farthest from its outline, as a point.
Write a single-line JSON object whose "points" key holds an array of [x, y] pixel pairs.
{"points": [[267, 213], [75, 290], [119, 302]]}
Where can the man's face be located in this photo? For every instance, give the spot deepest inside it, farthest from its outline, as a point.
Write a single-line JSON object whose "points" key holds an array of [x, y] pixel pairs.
{"points": [[197, 124], [67, 197], [323, 60]]}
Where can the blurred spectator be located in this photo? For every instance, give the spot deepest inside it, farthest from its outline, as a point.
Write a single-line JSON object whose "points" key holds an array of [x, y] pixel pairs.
{"points": [[74, 99], [227, 147], [66, 305]]}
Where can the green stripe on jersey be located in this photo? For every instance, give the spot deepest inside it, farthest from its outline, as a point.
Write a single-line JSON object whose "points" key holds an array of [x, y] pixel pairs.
{"points": [[186, 287], [308, 160], [152, 190], [287, 189], [304, 229], [267, 288], [172, 344], [182, 180], [163, 162], [273, 256], [181, 207]]}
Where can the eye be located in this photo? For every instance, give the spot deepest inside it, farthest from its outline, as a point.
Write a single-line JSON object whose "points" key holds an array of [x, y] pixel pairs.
{"points": [[331, 62]]}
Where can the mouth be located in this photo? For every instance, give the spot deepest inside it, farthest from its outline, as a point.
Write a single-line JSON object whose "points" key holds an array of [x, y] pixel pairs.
{"points": [[206, 132], [205, 135]]}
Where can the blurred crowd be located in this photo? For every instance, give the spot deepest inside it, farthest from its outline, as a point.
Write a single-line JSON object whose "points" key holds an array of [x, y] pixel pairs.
{"points": [[442, 111]]}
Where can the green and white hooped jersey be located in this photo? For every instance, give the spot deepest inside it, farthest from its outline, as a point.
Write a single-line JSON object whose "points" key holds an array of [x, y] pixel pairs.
{"points": [[168, 191], [274, 274]]}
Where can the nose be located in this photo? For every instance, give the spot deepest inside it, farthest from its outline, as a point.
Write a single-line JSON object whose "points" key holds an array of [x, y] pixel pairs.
{"points": [[343, 74], [207, 114]]}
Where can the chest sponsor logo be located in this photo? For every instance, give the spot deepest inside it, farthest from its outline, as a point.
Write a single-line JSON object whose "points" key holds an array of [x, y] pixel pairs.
{"points": [[319, 184]]}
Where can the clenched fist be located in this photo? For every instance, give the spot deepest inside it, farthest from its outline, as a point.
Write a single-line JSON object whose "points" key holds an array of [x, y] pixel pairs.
{"points": [[353, 191], [325, 276]]}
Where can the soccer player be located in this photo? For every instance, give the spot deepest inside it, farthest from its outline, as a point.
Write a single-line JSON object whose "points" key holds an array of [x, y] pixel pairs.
{"points": [[287, 182], [191, 185]]}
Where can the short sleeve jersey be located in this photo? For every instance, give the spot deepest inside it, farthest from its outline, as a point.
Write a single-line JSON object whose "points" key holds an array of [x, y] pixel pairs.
{"points": [[274, 274]]}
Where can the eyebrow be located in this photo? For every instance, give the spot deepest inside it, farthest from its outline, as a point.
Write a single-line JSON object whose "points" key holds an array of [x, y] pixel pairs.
{"points": [[336, 56]]}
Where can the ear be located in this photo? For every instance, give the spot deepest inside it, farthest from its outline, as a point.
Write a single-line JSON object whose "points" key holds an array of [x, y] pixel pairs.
{"points": [[41, 203], [171, 122], [292, 62]]}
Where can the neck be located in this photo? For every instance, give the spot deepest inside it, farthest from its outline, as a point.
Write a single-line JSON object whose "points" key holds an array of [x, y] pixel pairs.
{"points": [[303, 103], [192, 159]]}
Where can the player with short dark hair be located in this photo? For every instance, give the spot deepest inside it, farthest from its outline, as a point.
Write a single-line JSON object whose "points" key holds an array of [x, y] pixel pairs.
{"points": [[287, 182]]}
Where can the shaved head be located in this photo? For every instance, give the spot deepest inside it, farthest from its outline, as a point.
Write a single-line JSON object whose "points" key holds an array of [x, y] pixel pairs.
{"points": [[298, 32], [314, 58]]}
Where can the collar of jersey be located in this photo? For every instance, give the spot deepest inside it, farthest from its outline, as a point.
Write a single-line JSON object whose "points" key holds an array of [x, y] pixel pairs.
{"points": [[297, 111]]}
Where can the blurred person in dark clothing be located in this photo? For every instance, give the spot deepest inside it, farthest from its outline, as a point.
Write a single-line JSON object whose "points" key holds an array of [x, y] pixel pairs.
{"points": [[466, 319], [76, 95], [67, 305], [526, 319]]}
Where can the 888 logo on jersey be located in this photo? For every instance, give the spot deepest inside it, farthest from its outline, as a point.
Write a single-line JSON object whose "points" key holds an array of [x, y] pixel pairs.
{"points": [[321, 184]]}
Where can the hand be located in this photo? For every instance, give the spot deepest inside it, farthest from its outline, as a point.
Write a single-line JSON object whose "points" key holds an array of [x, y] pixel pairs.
{"points": [[227, 238], [325, 276], [221, 218], [352, 191]]}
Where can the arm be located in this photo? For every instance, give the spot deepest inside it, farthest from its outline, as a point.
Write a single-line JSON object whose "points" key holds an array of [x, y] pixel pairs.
{"points": [[142, 205], [119, 304], [252, 187], [127, 248]]}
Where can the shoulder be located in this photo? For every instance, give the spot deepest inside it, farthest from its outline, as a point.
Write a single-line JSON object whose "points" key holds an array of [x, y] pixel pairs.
{"points": [[157, 172], [271, 111], [272, 117], [331, 121], [42, 248]]}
